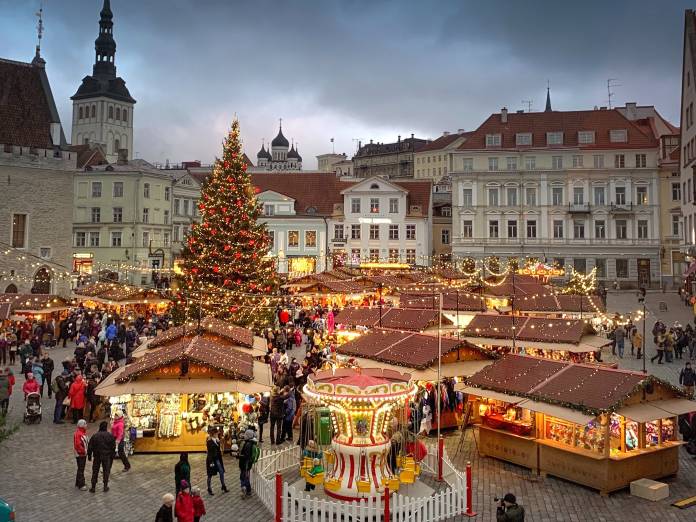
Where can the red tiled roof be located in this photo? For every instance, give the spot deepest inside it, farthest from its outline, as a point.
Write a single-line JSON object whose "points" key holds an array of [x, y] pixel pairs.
{"points": [[396, 318], [443, 141], [539, 329], [316, 189], [568, 122]]}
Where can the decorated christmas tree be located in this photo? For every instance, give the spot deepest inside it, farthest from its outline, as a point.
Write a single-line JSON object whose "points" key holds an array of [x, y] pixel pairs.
{"points": [[227, 271]]}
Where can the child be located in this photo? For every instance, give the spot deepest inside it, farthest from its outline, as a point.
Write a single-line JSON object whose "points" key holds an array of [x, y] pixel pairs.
{"points": [[165, 512], [198, 505], [312, 452]]}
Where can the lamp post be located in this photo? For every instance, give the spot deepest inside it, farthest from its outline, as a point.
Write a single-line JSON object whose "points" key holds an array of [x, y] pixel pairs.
{"points": [[641, 299], [439, 365]]}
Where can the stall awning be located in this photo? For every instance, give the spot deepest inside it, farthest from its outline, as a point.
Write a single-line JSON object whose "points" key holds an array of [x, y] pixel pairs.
{"points": [[676, 406], [644, 412], [533, 345], [557, 411], [461, 368], [489, 394]]}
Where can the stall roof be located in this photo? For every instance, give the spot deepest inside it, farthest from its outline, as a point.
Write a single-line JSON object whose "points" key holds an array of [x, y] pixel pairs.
{"points": [[644, 412], [118, 293], [559, 303], [527, 328], [33, 303], [524, 285], [236, 334], [556, 411], [451, 300], [490, 394], [397, 318], [589, 343]]}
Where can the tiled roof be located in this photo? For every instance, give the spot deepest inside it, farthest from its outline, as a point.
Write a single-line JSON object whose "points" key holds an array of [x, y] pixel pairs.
{"points": [[19, 302], [523, 286], [395, 318], [236, 334], [443, 141], [539, 329], [568, 122], [318, 190], [117, 292], [582, 386], [451, 300], [559, 303]]}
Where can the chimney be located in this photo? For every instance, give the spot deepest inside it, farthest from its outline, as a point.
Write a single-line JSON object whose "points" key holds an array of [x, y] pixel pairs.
{"points": [[632, 110], [411, 135], [398, 138], [55, 134], [603, 108], [445, 133], [370, 142], [359, 144], [503, 115], [460, 131], [122, 157]]}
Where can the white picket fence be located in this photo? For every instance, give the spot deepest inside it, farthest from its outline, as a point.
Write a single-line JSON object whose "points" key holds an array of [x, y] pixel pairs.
{"points": [[298, 506]]}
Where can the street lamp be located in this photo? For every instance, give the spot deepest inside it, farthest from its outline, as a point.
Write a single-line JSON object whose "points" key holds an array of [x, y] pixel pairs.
{"points": [[641, 299]]}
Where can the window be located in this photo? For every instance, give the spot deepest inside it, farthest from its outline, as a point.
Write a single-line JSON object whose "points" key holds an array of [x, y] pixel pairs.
{"points": [[467, 197], [96, 189], [599, 196], [492, 163], [579, 229], [559, 262], [111, 112], [556, 162], [146, 190], [355, 231], [601, 265], [355, 205], [411, 256], [622, 268], [167, 193], [146, 239], [523, 138], [511, 163], [530, 162], [355, 255], [94, 239], [554, 138], [269, 210], [310, 238], [118, 215], [620, 195], [492, 140], [467, 229], [393, 206], [598, 161], [374, 254], [374, 205], [468, 164], [393, 255], [512, 228], [492, 197], [445, 236], [146, 215], [641, 161], [117, 145], [619, 161], [186, 208], [271, 238], [676, 192], [118, 189], [585, 137], [578, 196], [642, 229], [621, 229], [600, 229], [557, 195], [411, 232], [338, 231], [393, 232], [165, 217], [511, 196], [531, 228], [293, 238], [116, 239], [124, 115], [96, 215], [530, 196], [580, 265], [19, 230], [374, 231], [675, 226], [557, 229], [80, 239], [577, 160], [177, 234], [446, 211], [641, 195], [177, 207], [493, 229], [618, 135], [81, 114], [165, 239]]}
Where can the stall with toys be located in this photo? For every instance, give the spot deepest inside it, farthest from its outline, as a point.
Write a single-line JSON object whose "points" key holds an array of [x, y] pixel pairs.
{"points": [[589, 424]]}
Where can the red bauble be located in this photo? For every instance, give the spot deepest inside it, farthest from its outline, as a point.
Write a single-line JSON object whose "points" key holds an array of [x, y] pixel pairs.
{"points": [[244, 167], [201, 206], [239, 281], [234, 155], [224, 209], [237, 255], [194, 270], [226, 282], [233, 309], [246, 408], [227, 220], [252, 285], [257, 190], [227, 247], [251, 242], [226, 164], [216, 269]]}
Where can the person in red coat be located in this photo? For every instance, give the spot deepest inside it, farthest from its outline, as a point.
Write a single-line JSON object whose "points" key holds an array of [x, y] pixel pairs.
{"points": [[198, 504], [30, 385], [80, 440], [76, 394], [184, 504]]}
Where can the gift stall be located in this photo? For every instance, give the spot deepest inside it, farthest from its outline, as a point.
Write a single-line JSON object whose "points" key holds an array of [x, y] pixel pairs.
{"points": [[589, 424], [188, 383]]}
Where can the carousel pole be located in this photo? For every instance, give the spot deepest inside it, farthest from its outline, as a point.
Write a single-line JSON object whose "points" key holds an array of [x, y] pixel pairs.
{"points": [[439, 364]]}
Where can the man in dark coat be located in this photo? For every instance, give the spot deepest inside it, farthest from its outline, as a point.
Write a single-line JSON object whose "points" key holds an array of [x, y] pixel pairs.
{"points": [[277, 413], [102, 447], [61, 389], [509, 510]]}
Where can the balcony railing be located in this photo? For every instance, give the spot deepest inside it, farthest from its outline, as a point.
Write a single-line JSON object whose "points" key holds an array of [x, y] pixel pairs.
{"points": [[579, 208]]}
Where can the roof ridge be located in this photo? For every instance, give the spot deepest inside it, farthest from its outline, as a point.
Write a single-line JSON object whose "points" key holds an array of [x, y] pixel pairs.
{"points": [[16, 62]]}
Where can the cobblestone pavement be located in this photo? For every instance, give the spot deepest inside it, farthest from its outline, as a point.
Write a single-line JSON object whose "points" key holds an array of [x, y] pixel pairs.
{"points": [[38, 470]]}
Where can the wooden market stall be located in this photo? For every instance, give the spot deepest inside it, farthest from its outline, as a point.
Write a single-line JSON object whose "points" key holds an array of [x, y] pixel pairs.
{"points": [[187, 383], [39, 306], [589, 424], [411, 319], [561, 305], [120, 297]]}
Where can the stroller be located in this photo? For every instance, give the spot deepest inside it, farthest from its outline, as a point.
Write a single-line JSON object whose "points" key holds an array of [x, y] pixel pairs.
{"points": [[32, 414]]}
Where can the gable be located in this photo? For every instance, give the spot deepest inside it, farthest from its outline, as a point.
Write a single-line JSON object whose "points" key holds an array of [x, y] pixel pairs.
{"points": [[268, 196], [374, 185]]}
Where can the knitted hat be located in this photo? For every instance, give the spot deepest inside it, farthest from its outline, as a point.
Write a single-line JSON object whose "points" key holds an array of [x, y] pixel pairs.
{"points": [[184, 484], [82, 423], [249, 434]]}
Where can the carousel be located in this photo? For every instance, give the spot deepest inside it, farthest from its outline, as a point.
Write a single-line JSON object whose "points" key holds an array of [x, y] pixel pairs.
{"points": [[367, 452]]}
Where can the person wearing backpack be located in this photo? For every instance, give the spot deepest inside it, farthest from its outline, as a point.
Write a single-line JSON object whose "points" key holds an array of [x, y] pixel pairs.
{"points": [[248, 455]]}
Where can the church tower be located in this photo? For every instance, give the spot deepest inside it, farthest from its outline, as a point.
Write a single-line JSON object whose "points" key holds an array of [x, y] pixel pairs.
{"points": [[102, 105]]}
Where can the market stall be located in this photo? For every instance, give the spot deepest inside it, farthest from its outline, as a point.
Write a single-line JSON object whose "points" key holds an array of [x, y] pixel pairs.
{"points": [[35, 306], [561, 306], [121, 298], [592, 425], [190, 382], [405, 319]]}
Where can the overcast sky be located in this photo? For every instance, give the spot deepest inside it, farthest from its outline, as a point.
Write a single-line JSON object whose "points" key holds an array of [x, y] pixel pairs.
{"points": [[351, 69]]}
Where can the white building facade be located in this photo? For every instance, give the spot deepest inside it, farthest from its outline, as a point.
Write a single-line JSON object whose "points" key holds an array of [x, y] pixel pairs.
{"points": [[688, 136]]}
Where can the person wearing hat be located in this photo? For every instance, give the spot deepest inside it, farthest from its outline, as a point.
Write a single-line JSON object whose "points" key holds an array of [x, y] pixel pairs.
{"points": [[80, 441], [118, 431], [184, 504], [165, 511], [248, 454], [509, 510]]}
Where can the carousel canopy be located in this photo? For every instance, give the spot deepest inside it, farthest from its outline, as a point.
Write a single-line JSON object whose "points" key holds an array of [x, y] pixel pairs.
{"points": [[31, 304], [396, 318]]}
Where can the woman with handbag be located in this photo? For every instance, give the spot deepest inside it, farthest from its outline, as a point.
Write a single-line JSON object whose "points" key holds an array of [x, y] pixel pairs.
{"points": [[213, 460]]}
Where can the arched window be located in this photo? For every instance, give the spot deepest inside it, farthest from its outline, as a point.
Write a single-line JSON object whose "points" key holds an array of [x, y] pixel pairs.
{"points": [[117, 146], [11, 289], [118, 113], [125, 115], [80, 116], [94, 111], [42, 281], [111, 112], [374, 186]]}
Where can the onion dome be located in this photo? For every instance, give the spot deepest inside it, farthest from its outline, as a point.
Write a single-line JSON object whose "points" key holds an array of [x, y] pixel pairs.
{"points": [[280, 140]]}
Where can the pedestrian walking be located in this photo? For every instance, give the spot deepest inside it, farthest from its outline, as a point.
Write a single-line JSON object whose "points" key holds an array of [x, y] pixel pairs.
{"points": [[289, 408], [637, 343], [7, 381], [118, 431], [48, 367], [76, 393], [101, 448], [276, 413], [660, 348], [80, 443], [619, 337], [264, 411], [248, 455], [37, 371], [213, 461], [182, 471], [165, 511], [183, 508], [198, 504], [60, 390], [687, 378]]}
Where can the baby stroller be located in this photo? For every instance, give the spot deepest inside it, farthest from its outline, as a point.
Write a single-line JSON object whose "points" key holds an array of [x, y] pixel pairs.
{"points": [[32, 414]]}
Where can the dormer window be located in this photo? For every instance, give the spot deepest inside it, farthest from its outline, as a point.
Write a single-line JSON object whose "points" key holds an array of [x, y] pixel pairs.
{"points": [[585, 137], [523, 138], [554, 138], [618, 135], [374, 186], [492, 140]]}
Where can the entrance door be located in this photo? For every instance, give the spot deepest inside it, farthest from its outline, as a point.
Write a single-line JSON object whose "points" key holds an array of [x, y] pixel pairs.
{"points": [[644, 273]]}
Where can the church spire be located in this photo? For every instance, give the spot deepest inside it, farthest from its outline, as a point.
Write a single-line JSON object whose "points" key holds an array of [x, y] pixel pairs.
{"points": [[548, 98], [104, 45]]}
